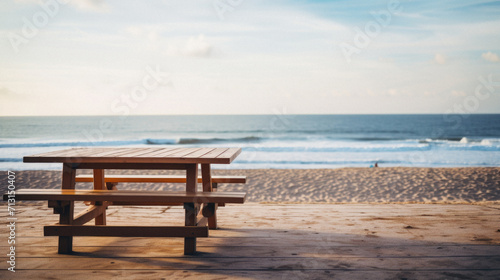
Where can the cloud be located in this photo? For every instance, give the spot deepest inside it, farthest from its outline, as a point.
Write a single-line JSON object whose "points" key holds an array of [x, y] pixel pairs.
{"points": [[5, 92], [393, 92], [90, 5], [195, 47], [440, 59], [458, 93], [84, 5], [489, 56]]}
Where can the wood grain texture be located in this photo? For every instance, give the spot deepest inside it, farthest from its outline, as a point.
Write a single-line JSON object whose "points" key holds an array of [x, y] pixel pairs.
{"points": [[127, 195], [276, 241], [138, 155], [67, 209], [99, 184], [161, 179], [127, 231], [88, 214]]}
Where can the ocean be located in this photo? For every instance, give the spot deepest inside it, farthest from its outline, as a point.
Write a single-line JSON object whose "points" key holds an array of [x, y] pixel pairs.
{"points": [[269, 141]]}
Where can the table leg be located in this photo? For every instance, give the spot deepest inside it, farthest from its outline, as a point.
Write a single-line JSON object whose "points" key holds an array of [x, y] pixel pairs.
{"points": [[99, 184], [67, 211], [206, 177], [191, 208], [190, 242]]}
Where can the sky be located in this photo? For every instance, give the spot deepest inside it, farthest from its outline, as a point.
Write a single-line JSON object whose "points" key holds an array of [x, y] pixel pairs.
{"points": [[123, 57]]}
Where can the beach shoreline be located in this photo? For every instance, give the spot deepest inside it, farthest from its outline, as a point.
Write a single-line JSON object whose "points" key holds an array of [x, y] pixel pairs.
{"points": [[463, 185]]}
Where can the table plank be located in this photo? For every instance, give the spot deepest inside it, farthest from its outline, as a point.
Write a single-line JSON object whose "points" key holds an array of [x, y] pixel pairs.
{"points": [[168, 152], [108, 152], [127, 231], [160, 151], [129, 195], [138, 152], [199, 153], [215, 153], [184, 153], [58, 153], [121, 152], [139, 155], [231, 153]]}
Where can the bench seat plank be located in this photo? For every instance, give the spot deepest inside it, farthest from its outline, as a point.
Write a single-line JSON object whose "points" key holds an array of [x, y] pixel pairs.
{"points": [[160, 179], [126, 231], [129, 195]]}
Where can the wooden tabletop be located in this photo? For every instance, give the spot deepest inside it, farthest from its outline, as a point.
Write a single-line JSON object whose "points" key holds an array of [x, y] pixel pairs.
{"points": [[138, 155]]}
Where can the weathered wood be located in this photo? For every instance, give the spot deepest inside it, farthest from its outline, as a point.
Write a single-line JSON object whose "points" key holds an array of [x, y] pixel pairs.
{"points": [[130, 196], [206, 175], [105, 192], [281, 240], [149, 203], [191, 178], [161, 179], [191, 213], [137, 155], [88, 214], [202, 222], [113, 180], [168, 152], [68, 177], [199, 152], [99, 184], [214, 189], [126, 165], [98, 179], [67, 208], [111, 186], [58, 205], [126, 231], [230, 153], [208, 210]]}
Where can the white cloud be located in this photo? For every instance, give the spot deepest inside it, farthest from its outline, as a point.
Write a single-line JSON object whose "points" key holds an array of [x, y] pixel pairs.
{"points": [[276, 54], [5, 92], [84, 5], [90, 5], [393, 92], [440, 59], [489, 56], [458, 93], [195, 47]]}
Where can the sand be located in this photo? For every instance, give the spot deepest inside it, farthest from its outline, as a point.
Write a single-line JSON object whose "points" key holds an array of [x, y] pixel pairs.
{"points": [[344, 185]]}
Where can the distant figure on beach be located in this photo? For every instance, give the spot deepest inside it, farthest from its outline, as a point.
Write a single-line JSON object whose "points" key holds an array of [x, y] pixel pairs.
{"points": [[376, 164]]}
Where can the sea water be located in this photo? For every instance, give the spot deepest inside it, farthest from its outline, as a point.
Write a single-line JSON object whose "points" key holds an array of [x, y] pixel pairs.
{"points": [[269, 141]]}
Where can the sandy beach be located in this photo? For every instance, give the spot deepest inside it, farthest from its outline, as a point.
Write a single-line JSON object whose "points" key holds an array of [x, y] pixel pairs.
{"points": [[344, 185]]}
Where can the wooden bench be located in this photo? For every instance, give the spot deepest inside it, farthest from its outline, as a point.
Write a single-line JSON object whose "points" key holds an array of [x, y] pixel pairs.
{"points": [[160, 179], [113, 180], [63, 200]]}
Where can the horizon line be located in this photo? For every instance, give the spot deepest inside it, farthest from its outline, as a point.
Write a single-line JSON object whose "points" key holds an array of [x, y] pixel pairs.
{"points": [[297, 114]]}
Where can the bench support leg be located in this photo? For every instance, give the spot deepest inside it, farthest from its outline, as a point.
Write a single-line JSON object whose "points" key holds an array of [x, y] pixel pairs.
{"points": [[66, 217], [99, 184], [212, 221], [191, 210], [206, 176], [67, 209]]}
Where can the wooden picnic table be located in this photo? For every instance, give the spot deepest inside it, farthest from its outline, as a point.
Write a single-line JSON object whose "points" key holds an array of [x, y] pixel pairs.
{"points": [[99, 159]]}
